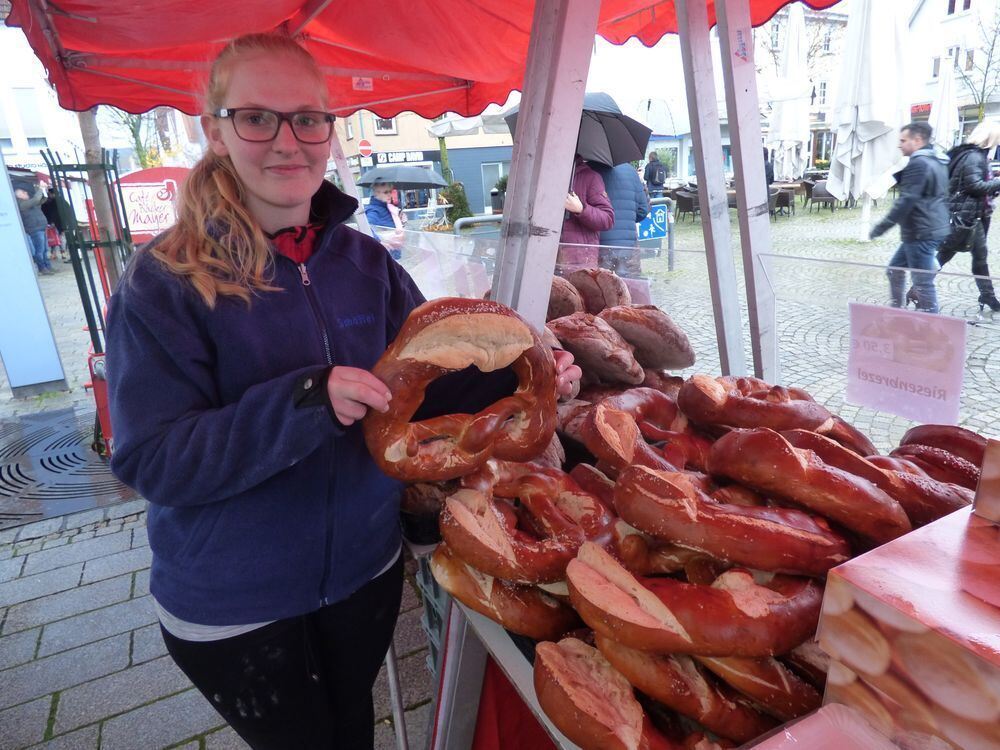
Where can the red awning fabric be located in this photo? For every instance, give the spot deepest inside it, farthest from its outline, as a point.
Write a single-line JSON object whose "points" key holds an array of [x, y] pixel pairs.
{"points": [[424, 56]]}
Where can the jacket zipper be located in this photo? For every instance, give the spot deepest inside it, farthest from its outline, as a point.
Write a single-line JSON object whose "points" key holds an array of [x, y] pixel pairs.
{"points": [[310, 295], [307, 284]]}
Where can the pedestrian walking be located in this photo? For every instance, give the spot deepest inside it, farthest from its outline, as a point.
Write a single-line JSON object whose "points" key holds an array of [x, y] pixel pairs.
{"points": [[240, 344], [654, 175], [54, 207], [588, 213], [922, 215], [34, 221], [970, 202]]}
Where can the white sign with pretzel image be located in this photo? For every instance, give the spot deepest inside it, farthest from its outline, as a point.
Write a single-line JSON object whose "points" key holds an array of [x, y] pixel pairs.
{"points": [[907, 363]]}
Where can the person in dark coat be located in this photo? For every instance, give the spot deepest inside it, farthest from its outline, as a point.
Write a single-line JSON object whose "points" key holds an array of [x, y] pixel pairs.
{"points": [[588, 213], [970, 191], [52, 206], [922, 214], [655, 174], [768, 169], [628, 199], [29, 201]]}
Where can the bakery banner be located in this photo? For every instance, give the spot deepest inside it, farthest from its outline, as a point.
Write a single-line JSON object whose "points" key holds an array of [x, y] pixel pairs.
{"points": [[150, 198], [907, 363]]}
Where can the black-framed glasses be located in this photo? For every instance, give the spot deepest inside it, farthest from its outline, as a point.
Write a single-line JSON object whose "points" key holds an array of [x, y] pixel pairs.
{"points": [[261, 125]]}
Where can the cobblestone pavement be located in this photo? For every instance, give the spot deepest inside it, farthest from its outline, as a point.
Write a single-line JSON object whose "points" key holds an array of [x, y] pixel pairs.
{"points": [[81, 661]]}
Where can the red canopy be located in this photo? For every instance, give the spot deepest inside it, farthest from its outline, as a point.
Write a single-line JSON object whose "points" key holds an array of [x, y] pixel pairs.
{"points": [[425, 56]]}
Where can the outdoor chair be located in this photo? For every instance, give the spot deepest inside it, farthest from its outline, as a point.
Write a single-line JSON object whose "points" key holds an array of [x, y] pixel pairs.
{"points": [[807, 191], [687, 203], [772, 201], [821, 196], [784, 203]]}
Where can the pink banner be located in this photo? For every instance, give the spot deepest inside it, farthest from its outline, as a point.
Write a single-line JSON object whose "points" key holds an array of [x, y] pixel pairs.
{"points": [[907, 363]]}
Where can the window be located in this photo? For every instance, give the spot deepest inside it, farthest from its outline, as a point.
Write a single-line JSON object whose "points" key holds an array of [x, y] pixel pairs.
{"points": [[385, 126], [966, 4], [821, 93], [349, 127], [775, 35], [38, 143], [951, 7], [970, 59], [953, 53], [26, 104], [6, 144], [827, 35], [492, 171], [935, 67]]}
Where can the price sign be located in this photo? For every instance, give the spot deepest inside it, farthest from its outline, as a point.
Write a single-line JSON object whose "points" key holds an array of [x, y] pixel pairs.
{"points": [[907, 363]]}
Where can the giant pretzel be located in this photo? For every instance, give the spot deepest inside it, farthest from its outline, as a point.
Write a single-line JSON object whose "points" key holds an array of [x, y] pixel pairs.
{"points": [[446, 335], [522, 521]]}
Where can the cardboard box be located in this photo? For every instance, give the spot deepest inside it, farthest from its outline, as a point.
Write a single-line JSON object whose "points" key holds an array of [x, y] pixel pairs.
{"points": [[832, 727], [913, 629]]}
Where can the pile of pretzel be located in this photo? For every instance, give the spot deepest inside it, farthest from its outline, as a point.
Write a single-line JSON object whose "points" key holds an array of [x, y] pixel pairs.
{"points": [[674, 576]]}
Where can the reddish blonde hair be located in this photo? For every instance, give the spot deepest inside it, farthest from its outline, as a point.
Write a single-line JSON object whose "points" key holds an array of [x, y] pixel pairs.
{"points": [[232, 258]]}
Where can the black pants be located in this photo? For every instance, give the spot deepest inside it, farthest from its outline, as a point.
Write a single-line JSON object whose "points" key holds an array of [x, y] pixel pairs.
{"points": [[304, 683], [979, 254]]}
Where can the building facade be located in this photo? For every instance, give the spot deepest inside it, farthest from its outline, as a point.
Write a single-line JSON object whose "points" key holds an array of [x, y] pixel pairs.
{"points": [[31, 119], [476, 160], [826, 33], [965, 34]]}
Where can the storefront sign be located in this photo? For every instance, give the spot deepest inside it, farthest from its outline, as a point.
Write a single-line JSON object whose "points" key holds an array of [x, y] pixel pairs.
{"points": [[150, 198], [906, 363], [406, 157], [365, 162], [920, 109]]}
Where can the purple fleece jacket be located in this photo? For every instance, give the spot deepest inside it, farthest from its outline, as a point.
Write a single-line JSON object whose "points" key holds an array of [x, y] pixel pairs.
{"points": [[597, 216], [261, 504]]}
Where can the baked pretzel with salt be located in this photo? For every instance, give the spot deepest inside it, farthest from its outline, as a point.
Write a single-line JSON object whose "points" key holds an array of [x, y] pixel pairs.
{"points": [[446, 335]]}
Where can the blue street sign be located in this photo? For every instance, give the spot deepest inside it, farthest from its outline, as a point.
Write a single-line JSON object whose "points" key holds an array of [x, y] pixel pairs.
{"points": [[654, 226]]}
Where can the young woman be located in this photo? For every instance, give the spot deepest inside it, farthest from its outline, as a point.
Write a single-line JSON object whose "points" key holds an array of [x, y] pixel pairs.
{"points": [[239, 350], [971, 191]]}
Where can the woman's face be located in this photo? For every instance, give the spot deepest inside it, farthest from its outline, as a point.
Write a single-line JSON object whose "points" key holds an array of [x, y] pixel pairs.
{"points": [[280, 176], [383, 192]]}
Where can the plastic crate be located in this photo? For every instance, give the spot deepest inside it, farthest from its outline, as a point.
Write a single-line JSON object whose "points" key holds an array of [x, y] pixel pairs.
{"points": [[435, 612]]}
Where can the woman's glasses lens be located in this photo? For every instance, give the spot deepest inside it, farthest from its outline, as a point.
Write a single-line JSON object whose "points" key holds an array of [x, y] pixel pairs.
{"points": [[262, 125]]}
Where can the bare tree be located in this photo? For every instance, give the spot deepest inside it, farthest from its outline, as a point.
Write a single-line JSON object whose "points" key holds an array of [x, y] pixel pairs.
{"points": [[142, 132], [980, 71], [816, 36]]}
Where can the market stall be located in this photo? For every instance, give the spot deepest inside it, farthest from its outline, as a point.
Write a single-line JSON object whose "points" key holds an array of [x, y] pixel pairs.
{"points": [[625, 538]]}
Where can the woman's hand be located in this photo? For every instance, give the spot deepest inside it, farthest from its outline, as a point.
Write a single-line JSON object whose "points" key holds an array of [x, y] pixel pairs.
{"points": [[566, 372], [573, 203], [353, 391]]}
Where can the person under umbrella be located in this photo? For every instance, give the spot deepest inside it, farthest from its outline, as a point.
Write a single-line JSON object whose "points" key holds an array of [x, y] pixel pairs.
{"points": [[588, 213], [381, 212], [608, 137]]}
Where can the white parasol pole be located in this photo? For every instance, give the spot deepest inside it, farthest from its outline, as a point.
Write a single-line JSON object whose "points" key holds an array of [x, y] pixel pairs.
{"points": [[866, 217]]}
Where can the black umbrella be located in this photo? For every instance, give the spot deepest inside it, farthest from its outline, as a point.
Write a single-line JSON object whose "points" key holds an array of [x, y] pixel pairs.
{"points": [[404, 177], [606, 135]]}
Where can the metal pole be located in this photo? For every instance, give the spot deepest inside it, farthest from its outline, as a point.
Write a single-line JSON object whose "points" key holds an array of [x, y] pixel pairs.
{"points": [[562, 37], [752, 199], [396, 699], [696, 56], [337, 151]]}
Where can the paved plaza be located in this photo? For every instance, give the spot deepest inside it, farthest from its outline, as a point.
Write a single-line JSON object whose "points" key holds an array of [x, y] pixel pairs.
{"points": [[81, 662]]}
